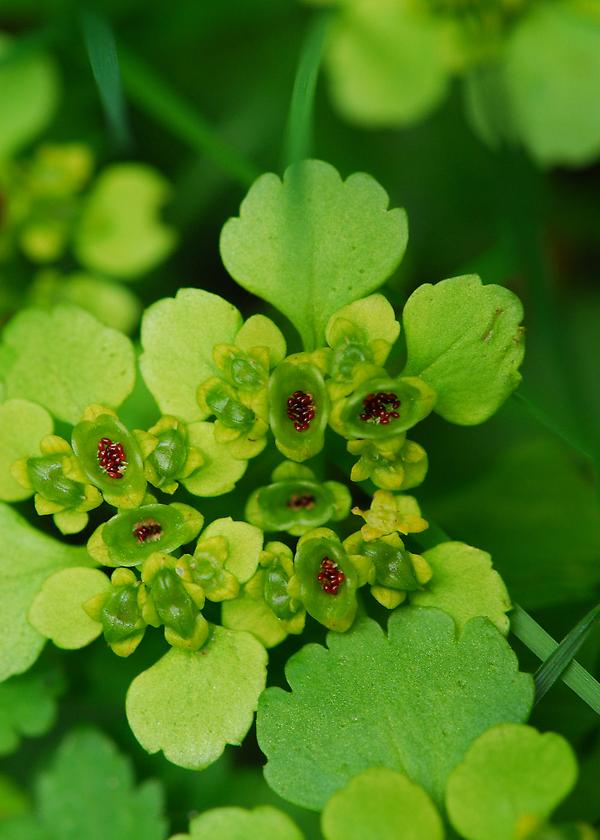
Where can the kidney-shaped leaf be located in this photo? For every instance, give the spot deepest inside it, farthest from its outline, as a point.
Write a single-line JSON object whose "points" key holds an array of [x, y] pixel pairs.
{"points": [[413, 701]]}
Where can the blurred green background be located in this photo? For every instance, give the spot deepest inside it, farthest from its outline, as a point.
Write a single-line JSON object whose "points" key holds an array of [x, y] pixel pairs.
{"points": [[207, 89]]}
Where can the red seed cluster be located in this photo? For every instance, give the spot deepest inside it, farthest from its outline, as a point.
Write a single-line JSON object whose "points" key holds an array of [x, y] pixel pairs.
{"points": [[330, 577], [112, 458], [297, 501], [380, 407], [301, 410], [150, 529]]}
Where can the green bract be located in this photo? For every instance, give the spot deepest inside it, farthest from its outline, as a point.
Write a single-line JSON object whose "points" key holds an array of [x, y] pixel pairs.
{"points": [[65, 360], [110, 457], [131, 536], [296, 501], [297, 261], [22, 426], [191, 704], [464, 340]]}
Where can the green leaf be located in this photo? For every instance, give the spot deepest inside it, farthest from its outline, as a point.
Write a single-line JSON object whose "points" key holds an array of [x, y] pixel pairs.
{"points": [[510, 781], [27, 558], [262, 823], [464, 585], [220, 471], [65, 360], [29, 89], [27, 707], [244, 544], [102, 53], [464, 339], [191, 704], [286, 245], [57, 610], [22, 426], [387, 63], [552, 65], [89, 792], [381, 805], [435, 694], [120, 232], [178, 336]]}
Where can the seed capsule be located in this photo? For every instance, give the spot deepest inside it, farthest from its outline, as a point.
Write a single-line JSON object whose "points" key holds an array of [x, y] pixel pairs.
{"points": [[330, 577], [112, 458]]}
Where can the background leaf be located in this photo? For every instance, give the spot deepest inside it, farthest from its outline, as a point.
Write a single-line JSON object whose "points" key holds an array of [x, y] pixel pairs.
{"points": [[381, 805], [434, 694], [511, 778], [27, 707], [190, 705], [262, 823], [178, 336], [65, 360], [88, 793], [312, 243]]}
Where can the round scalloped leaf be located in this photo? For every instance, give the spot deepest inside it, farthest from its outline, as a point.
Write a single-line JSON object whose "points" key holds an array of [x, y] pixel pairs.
{"points": [[27, 558], [219, 472], [381, 804], [260, 331], [464, 339], [57, 611], [29, 90], [435, 694], [120, 232], [231, 823], [387, 65], [66, 360], [22, 426], [178, 336], [191, 705], [244, 544], [313, 243], [509, 782], [465, 585], [551, 71]]}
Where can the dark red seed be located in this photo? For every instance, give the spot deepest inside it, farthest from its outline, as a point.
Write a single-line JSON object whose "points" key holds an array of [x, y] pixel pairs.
{"points": [[301, 410], [112, 458], [149, 530], [330, 577], [380, 408], [297, 502]]}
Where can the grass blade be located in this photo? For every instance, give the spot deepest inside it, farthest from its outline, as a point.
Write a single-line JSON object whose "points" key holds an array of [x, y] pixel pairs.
{"points": [[300, 118], [526, 628], [157, 99], [102, 53]]}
